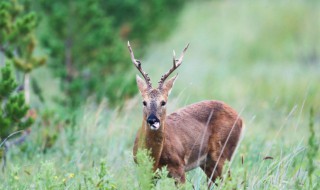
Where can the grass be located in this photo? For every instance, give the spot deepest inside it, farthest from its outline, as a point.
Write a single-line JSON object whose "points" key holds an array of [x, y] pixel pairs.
{"points": [[261, 58]]}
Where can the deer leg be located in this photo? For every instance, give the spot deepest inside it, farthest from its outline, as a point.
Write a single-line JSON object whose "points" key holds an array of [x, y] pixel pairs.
{"points": [[218, 154], [213, 170], [177, 173]]}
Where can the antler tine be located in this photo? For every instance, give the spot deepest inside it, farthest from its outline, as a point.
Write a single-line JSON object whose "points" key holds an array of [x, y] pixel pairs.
{"points": [[176, 64], [137, 63]]}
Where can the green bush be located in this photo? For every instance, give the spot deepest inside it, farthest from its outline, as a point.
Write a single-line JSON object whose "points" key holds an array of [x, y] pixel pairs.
{"points": [[13, 108], [17, 37], [86, 41]]}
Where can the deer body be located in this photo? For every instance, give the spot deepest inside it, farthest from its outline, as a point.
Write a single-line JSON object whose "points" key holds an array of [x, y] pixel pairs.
{"points": [[204, 134], [201, 130]]}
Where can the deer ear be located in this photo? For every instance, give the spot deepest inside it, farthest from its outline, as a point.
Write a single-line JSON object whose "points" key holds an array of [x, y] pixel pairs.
{"points": [[142, 85], [167, 86]]}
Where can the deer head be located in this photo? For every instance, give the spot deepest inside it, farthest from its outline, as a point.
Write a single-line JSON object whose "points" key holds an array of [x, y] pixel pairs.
{"points": [[155, 99]]}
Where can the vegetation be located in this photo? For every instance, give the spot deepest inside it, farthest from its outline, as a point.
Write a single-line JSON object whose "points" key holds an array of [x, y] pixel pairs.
{"points": [[17, 45], [86, 39], [18, 41], [262, 58], [14, 109], [17, 36]]}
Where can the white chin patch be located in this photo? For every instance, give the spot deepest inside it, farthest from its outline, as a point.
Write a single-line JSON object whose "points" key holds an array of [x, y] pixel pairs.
{"points": [[155, 126]]}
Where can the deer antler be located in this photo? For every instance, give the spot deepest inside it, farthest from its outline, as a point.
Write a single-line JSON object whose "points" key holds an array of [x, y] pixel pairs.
{"points": [[176, 64], [137, 63]]}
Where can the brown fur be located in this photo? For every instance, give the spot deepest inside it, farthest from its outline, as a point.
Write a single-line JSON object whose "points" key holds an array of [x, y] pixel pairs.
{"points": [[195, 131], [203, 134]]}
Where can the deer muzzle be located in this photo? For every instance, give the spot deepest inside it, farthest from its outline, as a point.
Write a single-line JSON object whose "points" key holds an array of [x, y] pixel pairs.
{"points": [[153, 122]]}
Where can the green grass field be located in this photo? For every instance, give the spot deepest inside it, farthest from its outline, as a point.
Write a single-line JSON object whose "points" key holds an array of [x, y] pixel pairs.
{"points": [[262, 58]]}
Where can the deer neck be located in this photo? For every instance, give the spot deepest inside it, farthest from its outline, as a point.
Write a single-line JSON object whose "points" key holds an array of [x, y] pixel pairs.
{"points": [[153, 141]]}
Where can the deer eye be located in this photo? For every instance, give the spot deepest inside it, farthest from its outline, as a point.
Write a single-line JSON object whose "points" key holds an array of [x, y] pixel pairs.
{"points": [[163, 103], [144, 103]]}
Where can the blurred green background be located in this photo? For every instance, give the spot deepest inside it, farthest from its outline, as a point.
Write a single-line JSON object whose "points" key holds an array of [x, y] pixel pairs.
{"points": [[260, 57]]}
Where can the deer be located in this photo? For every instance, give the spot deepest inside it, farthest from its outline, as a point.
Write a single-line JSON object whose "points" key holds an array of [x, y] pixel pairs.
{"points": [[203, 134]]}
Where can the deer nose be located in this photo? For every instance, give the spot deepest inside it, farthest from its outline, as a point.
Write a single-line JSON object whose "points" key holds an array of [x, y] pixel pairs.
{"points": [[152, 119]]}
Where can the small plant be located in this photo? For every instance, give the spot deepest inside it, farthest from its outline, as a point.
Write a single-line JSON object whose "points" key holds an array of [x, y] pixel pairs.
{"points": [[103, 180], [148, 179], [313, 148], [164, 182], [144, 169]]}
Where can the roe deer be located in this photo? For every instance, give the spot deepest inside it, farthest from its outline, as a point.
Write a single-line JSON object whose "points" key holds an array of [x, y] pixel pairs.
{"points": [[203, 134]]}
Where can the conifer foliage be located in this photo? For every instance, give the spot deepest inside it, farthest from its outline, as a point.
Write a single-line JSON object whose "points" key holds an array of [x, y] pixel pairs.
{"points": [[87, 42], [86, 53], [17, 38], [13, 108], [17, 48]]}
